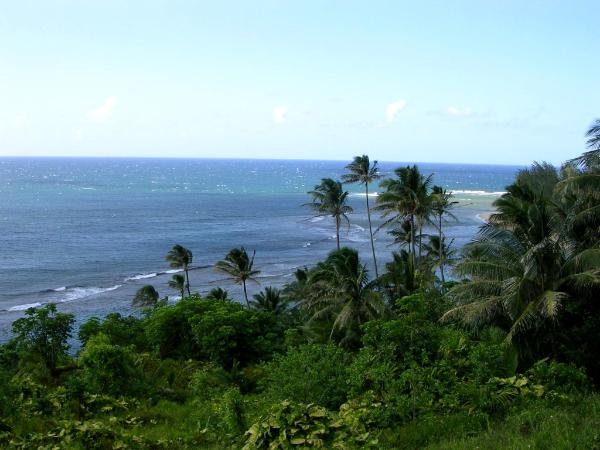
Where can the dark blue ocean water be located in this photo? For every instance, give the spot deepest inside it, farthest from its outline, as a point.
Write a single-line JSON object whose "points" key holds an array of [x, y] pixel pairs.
{"points": [[87, 233]]}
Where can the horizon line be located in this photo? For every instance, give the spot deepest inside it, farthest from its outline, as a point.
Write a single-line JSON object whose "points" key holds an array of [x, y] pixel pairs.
{"points": [[225, 158]]}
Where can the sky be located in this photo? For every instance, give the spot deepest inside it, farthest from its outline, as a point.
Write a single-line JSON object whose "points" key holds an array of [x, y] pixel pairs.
{"points": [[504, 82]]}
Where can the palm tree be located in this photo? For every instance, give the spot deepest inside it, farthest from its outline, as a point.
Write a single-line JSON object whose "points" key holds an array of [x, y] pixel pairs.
{"points": [[400, 277], [520, 285], [406, 198], [146, 296], [297, 290], [177, 282], [403, 234], [528, 263], [218, 294], [363, 172], [269, 300], [239, 267], [329, 198], [181, 258], [591, 158], [440, 205], [441, 253], [340, 290]]}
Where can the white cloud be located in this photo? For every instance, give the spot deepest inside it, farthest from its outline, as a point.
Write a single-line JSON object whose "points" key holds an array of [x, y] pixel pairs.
{"points": [[392, 110], [280, 114], [79, 134], [458, 112], [20, 120], [103, 112]]}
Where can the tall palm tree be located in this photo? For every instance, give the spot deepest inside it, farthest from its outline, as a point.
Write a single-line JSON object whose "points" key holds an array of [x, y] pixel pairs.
{"points": [[146, 296], [269, 300], [406, 197], [239, 266], [177, 282], [181, 258], [363, 172], [441, 205], [330, 199], [341, 291]]}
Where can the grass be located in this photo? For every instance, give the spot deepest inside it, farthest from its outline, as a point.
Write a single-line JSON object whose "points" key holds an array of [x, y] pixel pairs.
{"points": [[541, 425]]}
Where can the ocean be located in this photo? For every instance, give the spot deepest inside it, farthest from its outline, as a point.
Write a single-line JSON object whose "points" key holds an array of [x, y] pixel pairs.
{"points": [[86, 233]]}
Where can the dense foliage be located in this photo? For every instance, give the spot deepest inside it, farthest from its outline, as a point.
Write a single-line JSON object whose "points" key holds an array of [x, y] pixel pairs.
{"points": [[502, 356]]}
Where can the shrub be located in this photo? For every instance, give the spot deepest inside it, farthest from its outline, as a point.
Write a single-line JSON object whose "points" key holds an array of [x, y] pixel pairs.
{"points": [[108, 368], [44, 332], [312, 373]]}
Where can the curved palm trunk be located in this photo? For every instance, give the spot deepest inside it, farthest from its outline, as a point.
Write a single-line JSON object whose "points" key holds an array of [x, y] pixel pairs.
{"points": [[245, 293], [337, 231], [371, 230], [187, 280]]}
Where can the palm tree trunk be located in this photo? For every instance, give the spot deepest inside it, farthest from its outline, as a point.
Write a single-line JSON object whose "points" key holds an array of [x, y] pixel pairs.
{"points": [[412, 238], [371, 230], [420, 238], [245, 293], [187, 280], [337, 231], [441, 250]]}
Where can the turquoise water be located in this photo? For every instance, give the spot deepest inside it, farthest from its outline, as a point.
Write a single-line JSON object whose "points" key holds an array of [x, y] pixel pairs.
{"points": [[87, 233]]}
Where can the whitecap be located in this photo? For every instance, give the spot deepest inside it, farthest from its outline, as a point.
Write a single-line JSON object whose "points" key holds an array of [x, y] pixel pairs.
{"points": [[494, 193], [78, 293], [25, 306], [363, 194], [141, 276], [60, 289]]}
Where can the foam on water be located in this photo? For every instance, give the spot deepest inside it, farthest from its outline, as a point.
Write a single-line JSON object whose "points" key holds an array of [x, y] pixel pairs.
{"points": [[77, 293], [24, 307], [142, 276]]}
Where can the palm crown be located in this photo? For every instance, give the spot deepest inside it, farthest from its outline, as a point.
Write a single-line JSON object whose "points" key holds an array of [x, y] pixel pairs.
{"points": [[329, 198], [239, 266], [180, 257]]}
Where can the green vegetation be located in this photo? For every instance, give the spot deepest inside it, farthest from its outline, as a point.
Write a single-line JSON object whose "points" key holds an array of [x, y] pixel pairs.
{"points": [[502, 356]]}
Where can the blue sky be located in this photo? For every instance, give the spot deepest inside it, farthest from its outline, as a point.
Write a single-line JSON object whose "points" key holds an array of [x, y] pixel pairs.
{"points": [[450, 81]]}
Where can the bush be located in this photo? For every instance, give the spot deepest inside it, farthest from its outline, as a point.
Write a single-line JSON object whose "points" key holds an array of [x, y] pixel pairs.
{"points": [[120, 330], [213, 330], [312, 373], [43, 333], [107, 368]]}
